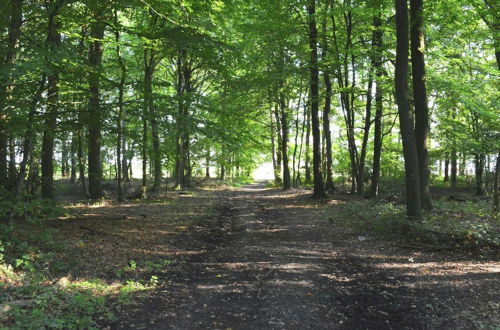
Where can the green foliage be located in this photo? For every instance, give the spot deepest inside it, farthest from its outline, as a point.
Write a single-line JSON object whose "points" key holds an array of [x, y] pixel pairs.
{"points": [[55, 308], [30, 210], [474, 220], [472, 224]]}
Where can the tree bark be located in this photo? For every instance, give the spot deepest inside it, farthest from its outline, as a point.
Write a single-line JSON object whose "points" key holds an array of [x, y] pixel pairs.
{"points": [[307, 163], [279, 149], [319, 189], [148, 94], [28, 143], [73, 158], [329, 185], [149, 68], [14, 32], [81, 156], [284, 137], [64, 157], [377, 137], [413, 205], [446, 169], [453, 169], [420, 99], [94, 121], [479, 162], [207, 163], [276, 169], [496, 183], [121, 115], [463, 160], [53, 41], [364, 143], [180, 152], [12, 161]]}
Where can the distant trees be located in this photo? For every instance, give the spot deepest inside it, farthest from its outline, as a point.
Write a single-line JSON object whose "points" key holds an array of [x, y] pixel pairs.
{"points": [[188, 88]]}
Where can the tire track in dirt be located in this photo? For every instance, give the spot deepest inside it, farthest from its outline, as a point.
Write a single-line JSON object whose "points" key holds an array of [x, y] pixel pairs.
{"points": [[271, 261]]}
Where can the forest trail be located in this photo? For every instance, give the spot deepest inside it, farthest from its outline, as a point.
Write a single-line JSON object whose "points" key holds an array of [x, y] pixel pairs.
{"points": [[275, 262]]}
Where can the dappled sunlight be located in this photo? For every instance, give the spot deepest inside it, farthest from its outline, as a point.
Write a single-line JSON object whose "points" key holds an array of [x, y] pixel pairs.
{"points": [[258, 250], [274, 230], [286, 283], [336, 278], [442, 268]]}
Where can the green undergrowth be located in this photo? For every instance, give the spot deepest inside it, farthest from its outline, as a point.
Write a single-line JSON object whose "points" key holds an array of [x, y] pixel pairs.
{"points": [[450, 223], [237, 182], [37, 293]]}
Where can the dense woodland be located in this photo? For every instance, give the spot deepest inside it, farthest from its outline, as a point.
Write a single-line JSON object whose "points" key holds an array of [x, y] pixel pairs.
{"points": [[331, 91], [385, 112]]}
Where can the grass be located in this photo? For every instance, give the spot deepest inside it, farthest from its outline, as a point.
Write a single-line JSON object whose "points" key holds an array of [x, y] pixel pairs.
{"points": [[34, 294], [469, 223]]}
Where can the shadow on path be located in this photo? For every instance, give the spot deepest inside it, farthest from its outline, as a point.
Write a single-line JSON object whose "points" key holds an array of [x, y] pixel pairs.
{"points": [[273, 262]]}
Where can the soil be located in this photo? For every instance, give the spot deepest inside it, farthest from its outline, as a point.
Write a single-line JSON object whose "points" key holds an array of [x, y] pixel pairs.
{"points": [[257, 258]]}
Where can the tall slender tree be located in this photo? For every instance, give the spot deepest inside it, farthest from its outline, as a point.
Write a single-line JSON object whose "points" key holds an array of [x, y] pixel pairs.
{"points": [[319, 188], [412, 186], [379, 72], [7, 64], [53, 41], [94, 123], [420, 98], [329, 185]]}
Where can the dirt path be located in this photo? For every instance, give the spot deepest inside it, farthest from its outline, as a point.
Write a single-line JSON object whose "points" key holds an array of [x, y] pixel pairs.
{"points": [[274, 262]]}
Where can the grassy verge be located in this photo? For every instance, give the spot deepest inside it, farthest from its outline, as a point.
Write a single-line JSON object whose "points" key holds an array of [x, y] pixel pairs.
{"points": [[450, 223]]}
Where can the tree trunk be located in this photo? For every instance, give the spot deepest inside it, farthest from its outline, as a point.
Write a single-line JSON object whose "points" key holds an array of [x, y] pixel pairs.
{"points": [[366, 133], [53, 41], [150, 65], [180, 152], [222, 172], [446, 168], [12, 161], [413, 205], [307, 163], [276, 169], [295, 164], [319, 189], [157, 175], [189, 167], [125, 152], [81, 157], [347, 93], [94, 121], [377, 138], [121, 115], [14, 32], [420, 99], [453, 170], [496, 184], [279, 150], [297, 180], [329, 185], [479, 162], [28, 143], [284, 138], [207, 163], [64, 157], [73, 158], [463, 161]]}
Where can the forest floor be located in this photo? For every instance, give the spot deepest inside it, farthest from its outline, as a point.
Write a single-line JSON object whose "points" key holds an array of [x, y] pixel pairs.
{"points": [[259, 258]]}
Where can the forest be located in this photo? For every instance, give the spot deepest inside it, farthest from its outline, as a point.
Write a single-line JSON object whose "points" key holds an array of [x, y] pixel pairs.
{"points": [[131, 132]]}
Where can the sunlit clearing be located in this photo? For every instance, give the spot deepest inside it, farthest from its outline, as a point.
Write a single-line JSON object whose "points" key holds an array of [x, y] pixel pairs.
{"points": [[264, 172]]}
